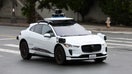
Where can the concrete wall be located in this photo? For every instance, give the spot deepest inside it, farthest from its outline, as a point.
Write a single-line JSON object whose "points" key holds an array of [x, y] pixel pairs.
{"points": [[6, 12], [6, 9], [47, 13], [95, 14]]}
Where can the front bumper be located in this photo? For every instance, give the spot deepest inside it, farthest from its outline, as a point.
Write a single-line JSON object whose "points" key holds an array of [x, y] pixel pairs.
{"points": [[79, 54], [87, 57]]}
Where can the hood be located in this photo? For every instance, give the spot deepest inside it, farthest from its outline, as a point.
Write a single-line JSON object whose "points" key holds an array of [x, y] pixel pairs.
{"points": [[84, 40]]}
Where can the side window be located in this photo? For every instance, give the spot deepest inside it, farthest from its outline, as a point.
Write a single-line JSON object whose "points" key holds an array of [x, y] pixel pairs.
{"points": [[47, 29], [37, 28], [32, 28]]}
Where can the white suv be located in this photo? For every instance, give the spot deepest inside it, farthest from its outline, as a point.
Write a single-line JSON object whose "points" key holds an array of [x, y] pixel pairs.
{"points": [[63, 39]]}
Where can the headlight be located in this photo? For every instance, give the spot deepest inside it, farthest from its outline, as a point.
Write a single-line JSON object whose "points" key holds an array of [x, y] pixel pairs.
{"points": [[102, 36], [105, 38], [75, 46], [69, 45]]}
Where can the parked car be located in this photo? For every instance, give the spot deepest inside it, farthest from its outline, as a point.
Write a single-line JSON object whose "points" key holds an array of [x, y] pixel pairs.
{"points": [[63, 39]]}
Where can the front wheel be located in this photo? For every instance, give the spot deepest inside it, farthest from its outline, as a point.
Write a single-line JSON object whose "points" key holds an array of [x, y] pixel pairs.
{"points": [[24, 50], [60, 56]]}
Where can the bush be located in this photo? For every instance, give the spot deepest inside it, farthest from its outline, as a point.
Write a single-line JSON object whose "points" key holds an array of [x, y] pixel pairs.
{"points": [[120, 11], [29, 10]]}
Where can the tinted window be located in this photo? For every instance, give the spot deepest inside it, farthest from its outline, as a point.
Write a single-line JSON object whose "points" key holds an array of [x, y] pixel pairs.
{"points": [[37, 28], [72, 30], [63, 22], [47, 29], [32, 28]]}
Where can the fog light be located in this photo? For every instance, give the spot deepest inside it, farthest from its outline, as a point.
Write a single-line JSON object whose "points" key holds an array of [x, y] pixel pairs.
{"points": [[17, 38], [106, 49], [70, 51]]}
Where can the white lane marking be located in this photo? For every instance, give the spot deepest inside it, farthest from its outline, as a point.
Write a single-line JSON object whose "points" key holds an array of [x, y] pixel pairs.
{"points": [[9, 51], [12, 45], [7, 39], [110, 47], [121, 32], [119, 41], [1, 56], [119, 44], [115, 32]]}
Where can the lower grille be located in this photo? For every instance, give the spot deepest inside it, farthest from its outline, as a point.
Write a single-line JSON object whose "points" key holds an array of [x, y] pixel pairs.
{"points": [[91, 48]]}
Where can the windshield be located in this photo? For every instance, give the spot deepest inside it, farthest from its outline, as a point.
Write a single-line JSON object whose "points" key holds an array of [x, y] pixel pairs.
{"points": [[62, 22], [71, 30]]}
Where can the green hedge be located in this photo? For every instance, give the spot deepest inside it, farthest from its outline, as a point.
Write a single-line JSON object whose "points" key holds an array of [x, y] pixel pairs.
{"points": [[120, 11]]}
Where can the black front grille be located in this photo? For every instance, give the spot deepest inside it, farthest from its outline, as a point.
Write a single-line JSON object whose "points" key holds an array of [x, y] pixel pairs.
{"points": [[91, 48]]}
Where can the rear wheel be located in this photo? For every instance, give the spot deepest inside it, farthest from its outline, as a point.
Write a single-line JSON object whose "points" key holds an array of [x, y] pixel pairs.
{"points": [[24, 50], [60, 56]]}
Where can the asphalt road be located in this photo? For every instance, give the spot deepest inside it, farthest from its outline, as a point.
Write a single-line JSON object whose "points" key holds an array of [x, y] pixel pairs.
{"points": [[119, 59]]}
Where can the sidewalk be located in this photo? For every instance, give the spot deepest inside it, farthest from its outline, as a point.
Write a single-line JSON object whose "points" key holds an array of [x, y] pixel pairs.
{"points": [[14, 24], [104, 28]]}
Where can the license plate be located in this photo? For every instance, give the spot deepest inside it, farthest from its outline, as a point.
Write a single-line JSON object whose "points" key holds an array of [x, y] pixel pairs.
{"points": [[92, 56]]}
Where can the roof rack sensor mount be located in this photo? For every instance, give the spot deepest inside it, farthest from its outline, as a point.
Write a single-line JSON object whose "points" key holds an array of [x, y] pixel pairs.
{"points": [[44, 21], [58, 13]]}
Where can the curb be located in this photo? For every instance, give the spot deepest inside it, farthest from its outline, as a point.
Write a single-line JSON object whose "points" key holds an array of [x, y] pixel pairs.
{"points": [[103, 28], [15, 24], [88, 27], [115, 32]]}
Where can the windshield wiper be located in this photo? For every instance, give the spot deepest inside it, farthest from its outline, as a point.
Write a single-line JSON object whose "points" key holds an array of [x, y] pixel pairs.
{"points": [[74, 35], [67, 35], [81, 34]]}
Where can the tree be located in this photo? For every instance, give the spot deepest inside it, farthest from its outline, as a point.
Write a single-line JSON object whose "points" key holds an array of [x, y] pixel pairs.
{"points": [[80, 6], [1, 3], [49, 4], [14, 4], [29, 10], [119, 10]]}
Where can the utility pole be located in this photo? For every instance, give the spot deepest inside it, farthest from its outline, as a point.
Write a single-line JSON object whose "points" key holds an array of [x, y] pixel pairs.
{"points": [[13, 18]]}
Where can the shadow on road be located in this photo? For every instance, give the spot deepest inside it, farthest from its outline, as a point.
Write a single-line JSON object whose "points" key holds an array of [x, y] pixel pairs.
{"points": [[51, 61]]}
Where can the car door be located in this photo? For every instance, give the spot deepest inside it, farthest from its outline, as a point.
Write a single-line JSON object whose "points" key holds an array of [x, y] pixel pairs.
{"points": [[47, 44], [40, 43], [35, 35]]}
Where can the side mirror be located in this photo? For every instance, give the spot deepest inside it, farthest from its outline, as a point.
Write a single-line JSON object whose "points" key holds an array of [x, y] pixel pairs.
{"points": [[47, 35]]}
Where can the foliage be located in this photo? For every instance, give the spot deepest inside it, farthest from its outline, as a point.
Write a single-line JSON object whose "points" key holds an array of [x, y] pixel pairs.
{"points": [[80, 6], [51, 3], [119, 10], [29, 10], [1, 3]]}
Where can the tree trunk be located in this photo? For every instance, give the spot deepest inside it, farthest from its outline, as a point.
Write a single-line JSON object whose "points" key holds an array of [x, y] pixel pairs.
{"points": [[83, 17]]}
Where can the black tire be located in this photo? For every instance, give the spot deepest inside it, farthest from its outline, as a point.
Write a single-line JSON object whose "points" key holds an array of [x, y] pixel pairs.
{"points": [[59, 55], [99, 60], [24, 50]]}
